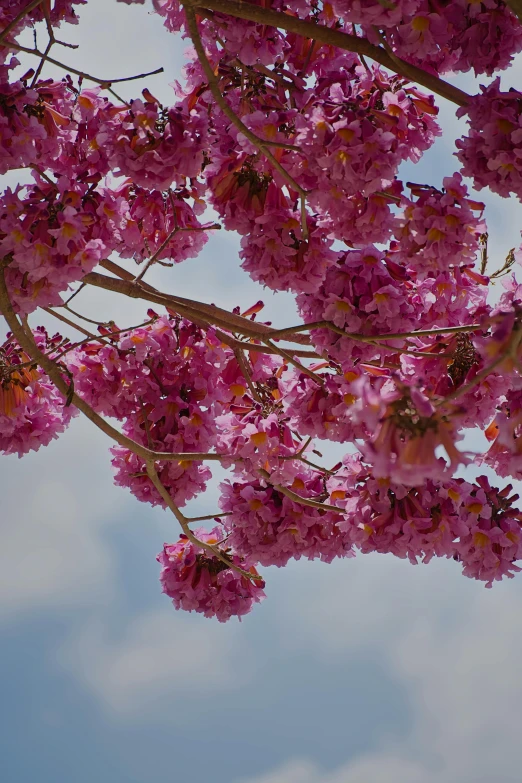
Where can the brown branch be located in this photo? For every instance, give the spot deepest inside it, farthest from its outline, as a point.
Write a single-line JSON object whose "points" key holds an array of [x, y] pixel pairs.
{"points": [[297, 498], [70, 69], [27, 343], [11, 26], [280, 333], [243, 346], [261, 144], [208, 517], [166, 241], [289, 358], [240, 358], [198, 312], [326, 35], [183, 521], [42, 62], [65, 320]]}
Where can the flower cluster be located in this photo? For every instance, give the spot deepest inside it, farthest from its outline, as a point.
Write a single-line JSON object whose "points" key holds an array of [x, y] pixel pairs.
{"points": [[161, 381], [197, 581], [356, 130], [439, 229], [297, 146], [52, 236], [457, 36], [158, 147], [271, 528], [474, 524], [492, 152]]}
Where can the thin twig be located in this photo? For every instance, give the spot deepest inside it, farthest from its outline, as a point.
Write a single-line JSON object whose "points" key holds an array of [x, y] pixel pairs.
{"points": [[209, 516], [261, 144], [65, 320], [279, 333], [289, 358], [297, 498], [42, 63], [240, 357], [104, 82], [183, 521]]}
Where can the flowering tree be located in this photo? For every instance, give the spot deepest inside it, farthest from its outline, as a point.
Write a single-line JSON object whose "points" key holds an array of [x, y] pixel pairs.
{"points": [[292, 123]]}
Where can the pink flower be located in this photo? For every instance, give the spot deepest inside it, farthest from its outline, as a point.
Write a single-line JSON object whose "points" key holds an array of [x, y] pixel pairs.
{"points": [[404, 446], [158, 147]]}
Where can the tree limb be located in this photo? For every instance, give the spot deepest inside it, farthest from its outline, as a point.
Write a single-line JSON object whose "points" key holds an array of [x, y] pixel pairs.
{"points": [[326, 35]]}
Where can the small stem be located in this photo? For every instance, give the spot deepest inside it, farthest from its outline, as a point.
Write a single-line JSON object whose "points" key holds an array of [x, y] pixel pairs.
{"points": [[183, 521], [209, 516], [42, 63], [153, 258], [297, 498], [65, 320], [241, 360], [279, 333], [83, 317], [289, 358], [261, 144], [104, 82]]}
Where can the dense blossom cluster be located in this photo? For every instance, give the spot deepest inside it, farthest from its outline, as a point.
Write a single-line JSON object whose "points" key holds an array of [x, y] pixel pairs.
{"points": [[297, 147], [491, 154], [474, 524], [198, 582]]}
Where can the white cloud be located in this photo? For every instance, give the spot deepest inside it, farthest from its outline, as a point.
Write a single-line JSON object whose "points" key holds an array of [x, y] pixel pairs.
{"points": [[379, 769], [454, 648], [55, 505], [160, 655]]}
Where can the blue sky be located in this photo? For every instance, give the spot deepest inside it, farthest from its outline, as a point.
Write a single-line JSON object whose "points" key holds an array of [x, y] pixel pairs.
{"points": [[365, 671]]}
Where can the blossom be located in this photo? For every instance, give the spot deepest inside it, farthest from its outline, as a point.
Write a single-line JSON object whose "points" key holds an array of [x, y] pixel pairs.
{"points": [[50, 235], [356, 130], [405, 443], [494, 541], [275, 253]]}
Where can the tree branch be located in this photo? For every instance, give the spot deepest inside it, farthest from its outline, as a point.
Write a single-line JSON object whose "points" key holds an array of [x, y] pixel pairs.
{"points": [[261, 144], [183, 521], [198, 312], [297, 498], [326, 35], [70, 69], [28, 344]]}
